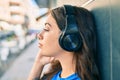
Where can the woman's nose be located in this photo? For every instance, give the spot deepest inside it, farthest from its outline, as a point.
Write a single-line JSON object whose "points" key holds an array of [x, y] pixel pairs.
{"points": [[39, 36]]}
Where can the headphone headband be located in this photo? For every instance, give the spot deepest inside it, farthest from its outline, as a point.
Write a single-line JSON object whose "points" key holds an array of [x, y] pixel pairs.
{"points": [[69, 10]]}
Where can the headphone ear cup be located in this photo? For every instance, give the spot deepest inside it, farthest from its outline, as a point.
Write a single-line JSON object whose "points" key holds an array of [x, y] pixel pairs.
{"points": [[70, 38], [70, 42]]}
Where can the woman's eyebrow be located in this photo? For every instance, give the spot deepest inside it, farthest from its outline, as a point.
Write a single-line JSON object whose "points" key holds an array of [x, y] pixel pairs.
{"points": [[48, 24]]}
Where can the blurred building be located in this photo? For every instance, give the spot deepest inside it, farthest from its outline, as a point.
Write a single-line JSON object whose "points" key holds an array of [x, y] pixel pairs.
{"points": [[17, 17], [4, 10], [12, 11], [15, 11]]}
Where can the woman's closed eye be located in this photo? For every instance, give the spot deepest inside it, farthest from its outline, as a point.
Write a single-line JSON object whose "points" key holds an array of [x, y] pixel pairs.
{"points": [[45, 29]]}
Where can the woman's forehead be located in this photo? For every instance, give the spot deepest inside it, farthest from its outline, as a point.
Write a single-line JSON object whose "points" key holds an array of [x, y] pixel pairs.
{"points": [[51, 20]]}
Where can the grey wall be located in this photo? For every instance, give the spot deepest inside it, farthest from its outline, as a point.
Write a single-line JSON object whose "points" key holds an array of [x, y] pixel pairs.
{"points": [[107, 17]]}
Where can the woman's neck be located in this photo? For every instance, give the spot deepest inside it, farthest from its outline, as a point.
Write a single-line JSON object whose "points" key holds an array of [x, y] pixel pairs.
{"points": [[67, 63]]}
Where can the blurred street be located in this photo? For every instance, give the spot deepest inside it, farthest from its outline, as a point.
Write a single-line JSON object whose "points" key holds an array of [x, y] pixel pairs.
{"points": [[22, 65]]}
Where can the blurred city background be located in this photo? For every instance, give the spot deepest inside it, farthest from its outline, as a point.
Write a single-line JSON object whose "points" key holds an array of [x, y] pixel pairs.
{"points": [[18, 28], [21, 20]]}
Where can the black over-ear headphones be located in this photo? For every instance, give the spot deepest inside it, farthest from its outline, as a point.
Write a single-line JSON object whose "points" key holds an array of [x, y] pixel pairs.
{"points": [[70, 38]]}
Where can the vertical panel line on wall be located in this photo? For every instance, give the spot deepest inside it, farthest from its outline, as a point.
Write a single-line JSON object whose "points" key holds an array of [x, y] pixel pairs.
{"points": [[111, 65]]}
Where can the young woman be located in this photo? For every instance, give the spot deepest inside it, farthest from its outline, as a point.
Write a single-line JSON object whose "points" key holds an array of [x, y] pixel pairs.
{"points": [[68, 43]]}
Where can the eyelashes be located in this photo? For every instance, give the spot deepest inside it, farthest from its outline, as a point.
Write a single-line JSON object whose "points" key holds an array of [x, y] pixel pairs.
{"points": [[46, 29]]}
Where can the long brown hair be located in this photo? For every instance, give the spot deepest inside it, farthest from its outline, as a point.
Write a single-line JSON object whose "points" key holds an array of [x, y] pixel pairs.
{"points": [[85, 60]]}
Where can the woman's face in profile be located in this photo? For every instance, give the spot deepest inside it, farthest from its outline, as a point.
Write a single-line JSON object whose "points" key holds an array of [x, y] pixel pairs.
{"points": [[48, 38]]}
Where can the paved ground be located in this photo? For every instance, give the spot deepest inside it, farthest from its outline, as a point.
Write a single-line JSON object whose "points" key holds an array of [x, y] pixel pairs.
{"points": [[22, 65]]}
